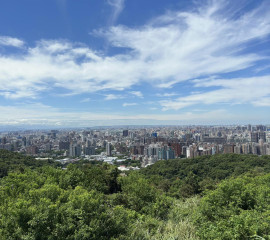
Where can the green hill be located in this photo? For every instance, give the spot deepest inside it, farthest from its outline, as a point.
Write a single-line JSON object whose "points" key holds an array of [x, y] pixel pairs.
{"points": [[12, 161], [210, 197]]}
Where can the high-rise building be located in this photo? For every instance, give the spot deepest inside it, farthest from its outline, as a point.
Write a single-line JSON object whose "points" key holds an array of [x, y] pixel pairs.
{"points": [[162, 154], [134, 150], [261, 128], [89, 150], [255, 149], [188, 152], [4, 140], [141, 150], [262, 147], [53, 133], [217, 140], [48, 147], [238, 149], [246, 149], [132, 135], [177, 148], [153, 150], [166, 153], [213, 150], [229, 148], [154, 134], [64, 145], [125, 133], [262, 136], [170, 154], [197, 138], [24, 141], [254, 137], [32, 150], [184, 150], [75, 150], [109, 149]]}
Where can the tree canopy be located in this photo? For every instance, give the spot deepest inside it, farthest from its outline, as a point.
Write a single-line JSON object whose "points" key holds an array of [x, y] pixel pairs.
{"points": [[210, 197]]}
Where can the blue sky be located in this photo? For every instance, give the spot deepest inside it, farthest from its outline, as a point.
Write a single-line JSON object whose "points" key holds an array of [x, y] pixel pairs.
{"points": [[66, 63]]}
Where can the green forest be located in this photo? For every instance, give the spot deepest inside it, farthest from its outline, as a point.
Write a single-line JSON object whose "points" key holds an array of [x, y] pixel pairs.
{"points": [[224, 197]]}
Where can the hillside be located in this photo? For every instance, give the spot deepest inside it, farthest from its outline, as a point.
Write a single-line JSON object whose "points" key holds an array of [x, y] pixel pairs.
{"points": [[12, 161], [186, 177], [217, 197]]}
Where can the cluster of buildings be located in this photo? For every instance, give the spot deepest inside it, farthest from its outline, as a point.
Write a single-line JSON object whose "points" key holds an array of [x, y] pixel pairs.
{"points": [[146, 144]]}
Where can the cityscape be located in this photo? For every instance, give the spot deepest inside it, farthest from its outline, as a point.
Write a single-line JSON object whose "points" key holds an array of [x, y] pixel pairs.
{"points": [[135, 120], [146, 145]]}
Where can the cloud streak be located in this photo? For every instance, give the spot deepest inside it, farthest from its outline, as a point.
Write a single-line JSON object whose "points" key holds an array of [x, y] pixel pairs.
{"points": [[137, 94], [12, 42], [253, 90], [118, 6], [129, 104], [113, 97]]}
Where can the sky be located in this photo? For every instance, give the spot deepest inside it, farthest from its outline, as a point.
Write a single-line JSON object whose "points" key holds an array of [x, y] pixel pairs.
{"points": [[67, 63]]}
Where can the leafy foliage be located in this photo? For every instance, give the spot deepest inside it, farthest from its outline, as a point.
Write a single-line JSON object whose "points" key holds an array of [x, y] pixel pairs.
{"points": [[82, 202], [138, 194], [187, 177], [175, 199], [11, 161], [238, 209]]}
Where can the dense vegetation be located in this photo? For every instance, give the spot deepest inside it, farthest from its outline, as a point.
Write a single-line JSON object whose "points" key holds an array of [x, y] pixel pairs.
{"points": [[215, 167], [238, 209], [215, 197], [11, 161], [77, 203], [186, 177]]}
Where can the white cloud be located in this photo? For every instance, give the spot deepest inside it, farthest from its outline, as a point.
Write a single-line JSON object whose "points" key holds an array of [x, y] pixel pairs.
{"points": [[254, 90], [129, 104], [137, 94], [118, 6], [37, 114], [176, 47], [113, 97], [262, 102], [166, 94], [9, 41], [262, 68]]}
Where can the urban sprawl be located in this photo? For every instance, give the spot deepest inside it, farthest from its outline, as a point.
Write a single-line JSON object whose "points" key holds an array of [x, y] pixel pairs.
{"points": [[144, 145]]}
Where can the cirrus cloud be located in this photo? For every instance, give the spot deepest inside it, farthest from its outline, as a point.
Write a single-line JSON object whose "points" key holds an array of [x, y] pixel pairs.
{"points": [[178, 46], [253, 90]]}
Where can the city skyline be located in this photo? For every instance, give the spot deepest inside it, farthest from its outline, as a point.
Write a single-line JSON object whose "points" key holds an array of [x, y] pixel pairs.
{"points": [[119, 62], [146, 145]]}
